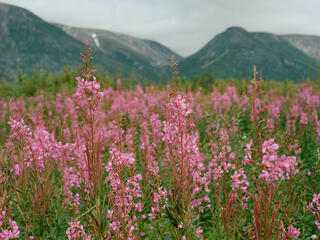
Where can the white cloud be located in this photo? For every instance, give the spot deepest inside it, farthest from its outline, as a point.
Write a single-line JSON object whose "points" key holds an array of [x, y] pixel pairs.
{"points": [[183, 25]]}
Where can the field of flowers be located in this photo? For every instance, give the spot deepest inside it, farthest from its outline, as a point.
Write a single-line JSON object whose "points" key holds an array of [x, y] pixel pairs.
{"points": [[165, 163]]}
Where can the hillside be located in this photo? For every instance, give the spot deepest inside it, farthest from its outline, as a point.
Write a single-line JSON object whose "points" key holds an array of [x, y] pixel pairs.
{"points": [[309, 44], [28, 42], [111, 42], [234, 52]]}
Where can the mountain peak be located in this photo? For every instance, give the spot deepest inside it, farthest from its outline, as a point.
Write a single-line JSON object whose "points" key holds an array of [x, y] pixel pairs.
{"points": [[234, 35], [233, 52], [235, 29]]}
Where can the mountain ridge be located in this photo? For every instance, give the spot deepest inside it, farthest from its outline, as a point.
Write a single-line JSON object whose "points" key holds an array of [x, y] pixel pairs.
{"points": [[30, 42], [154, 52], [309, 44], [233, 52]]}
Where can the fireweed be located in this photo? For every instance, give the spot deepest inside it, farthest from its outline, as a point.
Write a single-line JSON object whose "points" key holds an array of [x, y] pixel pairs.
{"points": [[35, 157], [267, 221], [314, 208], [86, 173], [228, 184], [123, 196], [9, 228], [158, 163], [185, 165]]}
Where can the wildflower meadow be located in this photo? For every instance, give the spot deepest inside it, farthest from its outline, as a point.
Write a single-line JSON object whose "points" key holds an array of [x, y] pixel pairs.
{"points": [[150, 162]]}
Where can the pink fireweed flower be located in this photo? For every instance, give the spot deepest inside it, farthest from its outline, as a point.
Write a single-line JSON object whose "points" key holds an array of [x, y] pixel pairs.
{"points": [[293, 232], [274, 108], [71, 179], [156, 128], [274, 166], [314, 208], [39, 146], [239, 180], [248, 156], [221, 163], [124, 195], [88, 89], [11, 231], [19, 130], [179, 109], [183, 159], [269, 146], [76, 231], [198, 232], [303, 118], [290, 233], [317, 223]]}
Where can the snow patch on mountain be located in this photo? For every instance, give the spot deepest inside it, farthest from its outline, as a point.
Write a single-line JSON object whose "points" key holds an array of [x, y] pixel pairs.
{"points": [[96, 40]]}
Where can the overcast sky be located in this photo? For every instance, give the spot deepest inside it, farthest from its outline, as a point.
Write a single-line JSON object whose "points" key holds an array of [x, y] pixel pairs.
{"points": [[182, 25]]}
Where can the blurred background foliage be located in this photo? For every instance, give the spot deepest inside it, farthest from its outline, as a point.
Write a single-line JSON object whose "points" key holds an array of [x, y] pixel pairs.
{"points": [[26, 85]]}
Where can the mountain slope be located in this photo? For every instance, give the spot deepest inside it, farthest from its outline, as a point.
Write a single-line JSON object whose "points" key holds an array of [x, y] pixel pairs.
{"points": [[309, 44], [234, 52], [28, 42], [108, 42], [24, 35]]}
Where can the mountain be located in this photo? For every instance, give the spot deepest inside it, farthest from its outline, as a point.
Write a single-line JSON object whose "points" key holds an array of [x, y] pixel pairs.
{"points": [[110, 42], [234, 52], [28, 42], [309, 44]]}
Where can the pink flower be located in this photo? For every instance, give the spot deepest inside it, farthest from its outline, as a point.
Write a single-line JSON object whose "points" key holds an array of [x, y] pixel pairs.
{"points": [[124, 193], [314, 208], [12, 231], [269, 146], [317, 224], [248, 156], [198, 232], [293, 232], [139, 207], [239, 180], [76, 231], [275, 166], [88, 89]]}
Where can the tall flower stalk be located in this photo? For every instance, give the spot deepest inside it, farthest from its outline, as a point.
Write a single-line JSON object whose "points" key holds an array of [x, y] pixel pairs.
{"points": [[267, 220], [88, 98], [185, 164]]}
